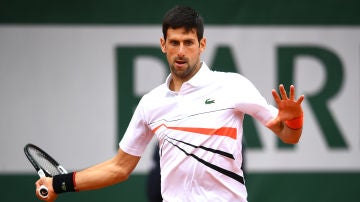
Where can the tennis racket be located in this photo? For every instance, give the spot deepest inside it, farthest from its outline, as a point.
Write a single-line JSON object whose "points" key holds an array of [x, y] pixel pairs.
{"points": [[44, 165]]}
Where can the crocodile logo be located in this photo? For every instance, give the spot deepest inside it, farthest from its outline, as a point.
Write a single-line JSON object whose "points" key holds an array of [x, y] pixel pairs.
{"points": [[209, 101]]}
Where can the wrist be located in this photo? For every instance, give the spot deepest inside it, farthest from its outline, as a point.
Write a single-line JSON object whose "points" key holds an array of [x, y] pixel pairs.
{"points": [[64, 183], [295, 123]]}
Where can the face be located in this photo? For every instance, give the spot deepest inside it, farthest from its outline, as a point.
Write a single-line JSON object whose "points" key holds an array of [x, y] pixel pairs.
{"points": [[183, 51]]}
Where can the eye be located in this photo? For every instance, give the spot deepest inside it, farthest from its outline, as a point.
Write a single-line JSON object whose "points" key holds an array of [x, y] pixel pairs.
{"points": [[174, 43], [188, 43]]}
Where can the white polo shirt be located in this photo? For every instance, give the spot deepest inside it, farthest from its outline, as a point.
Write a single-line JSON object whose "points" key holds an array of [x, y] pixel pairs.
{"points": [[200, 131]]}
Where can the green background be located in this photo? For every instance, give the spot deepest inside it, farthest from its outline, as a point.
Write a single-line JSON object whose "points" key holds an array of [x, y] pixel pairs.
{"points": [[249, 12], [270, 187]]}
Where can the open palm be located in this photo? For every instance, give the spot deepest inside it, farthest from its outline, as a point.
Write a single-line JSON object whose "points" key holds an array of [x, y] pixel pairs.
{"points": [[289, 107]]}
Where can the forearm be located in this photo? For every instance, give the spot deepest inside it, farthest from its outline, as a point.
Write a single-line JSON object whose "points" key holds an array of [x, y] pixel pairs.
{"points": [[99, 176], [110, 172]]}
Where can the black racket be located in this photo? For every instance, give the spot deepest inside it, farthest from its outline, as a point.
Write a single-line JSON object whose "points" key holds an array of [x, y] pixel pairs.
{"points": [[44, 165]]}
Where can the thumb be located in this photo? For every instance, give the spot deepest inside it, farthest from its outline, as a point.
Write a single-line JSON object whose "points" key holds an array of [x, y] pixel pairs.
{"points": [[273, 122], [39, 182]]}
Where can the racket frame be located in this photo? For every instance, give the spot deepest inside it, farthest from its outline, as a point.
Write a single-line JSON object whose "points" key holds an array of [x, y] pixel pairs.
{"points": [[43, 190]]}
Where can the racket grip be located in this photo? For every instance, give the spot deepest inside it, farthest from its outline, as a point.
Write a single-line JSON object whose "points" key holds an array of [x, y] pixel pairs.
{"points": [[43, 191]]}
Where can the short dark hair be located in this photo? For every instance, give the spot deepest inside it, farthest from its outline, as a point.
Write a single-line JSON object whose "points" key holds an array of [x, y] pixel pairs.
{"points": [[183, 16]]}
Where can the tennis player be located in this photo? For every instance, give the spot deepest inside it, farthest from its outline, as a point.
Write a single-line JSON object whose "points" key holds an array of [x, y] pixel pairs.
{"points": [[197, 117]]}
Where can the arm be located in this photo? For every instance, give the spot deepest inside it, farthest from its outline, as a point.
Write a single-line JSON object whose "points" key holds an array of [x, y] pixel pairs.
{"points": [[110, 172], [289, 110]]}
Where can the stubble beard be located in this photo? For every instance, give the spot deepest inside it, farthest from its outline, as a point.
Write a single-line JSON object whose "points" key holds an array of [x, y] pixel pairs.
{"points": [[184, 74]]}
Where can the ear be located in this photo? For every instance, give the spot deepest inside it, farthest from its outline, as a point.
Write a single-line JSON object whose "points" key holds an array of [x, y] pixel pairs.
{"points": [[162, 45], [202, 44]]}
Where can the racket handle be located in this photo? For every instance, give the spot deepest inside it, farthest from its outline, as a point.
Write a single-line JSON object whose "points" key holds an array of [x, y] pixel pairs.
{"points": [[43, 191]]}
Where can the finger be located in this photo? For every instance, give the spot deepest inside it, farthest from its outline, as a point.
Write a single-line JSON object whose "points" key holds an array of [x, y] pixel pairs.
{"points": [[301, 98], [292, 92], [283, 92], [273, 122], [39, 182], [276, 96]]}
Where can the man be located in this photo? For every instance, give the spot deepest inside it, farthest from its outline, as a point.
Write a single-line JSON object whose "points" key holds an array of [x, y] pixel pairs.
{"points": [[197, 117]]}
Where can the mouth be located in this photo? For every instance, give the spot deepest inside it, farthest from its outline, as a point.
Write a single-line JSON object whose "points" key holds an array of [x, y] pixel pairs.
{"points": [[180, 62]]}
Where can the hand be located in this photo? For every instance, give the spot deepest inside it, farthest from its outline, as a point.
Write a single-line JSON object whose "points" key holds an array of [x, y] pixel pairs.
{"points": [[289, 108], [46, 181]]}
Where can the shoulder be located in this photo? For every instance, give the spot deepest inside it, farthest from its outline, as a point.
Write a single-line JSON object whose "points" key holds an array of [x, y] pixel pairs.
{"points": [[154, 95], [235, 85], [232, 78], [157, 91]]}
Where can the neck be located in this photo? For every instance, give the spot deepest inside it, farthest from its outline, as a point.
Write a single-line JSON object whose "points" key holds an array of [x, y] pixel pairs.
{"points": [[175, 84]]}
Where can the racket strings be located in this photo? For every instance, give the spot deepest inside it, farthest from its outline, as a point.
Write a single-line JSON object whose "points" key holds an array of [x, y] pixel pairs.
{"points": [[44, 162]]}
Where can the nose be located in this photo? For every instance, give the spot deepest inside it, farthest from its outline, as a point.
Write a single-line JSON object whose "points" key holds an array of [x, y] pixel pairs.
{"points": [[181, 51]]}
